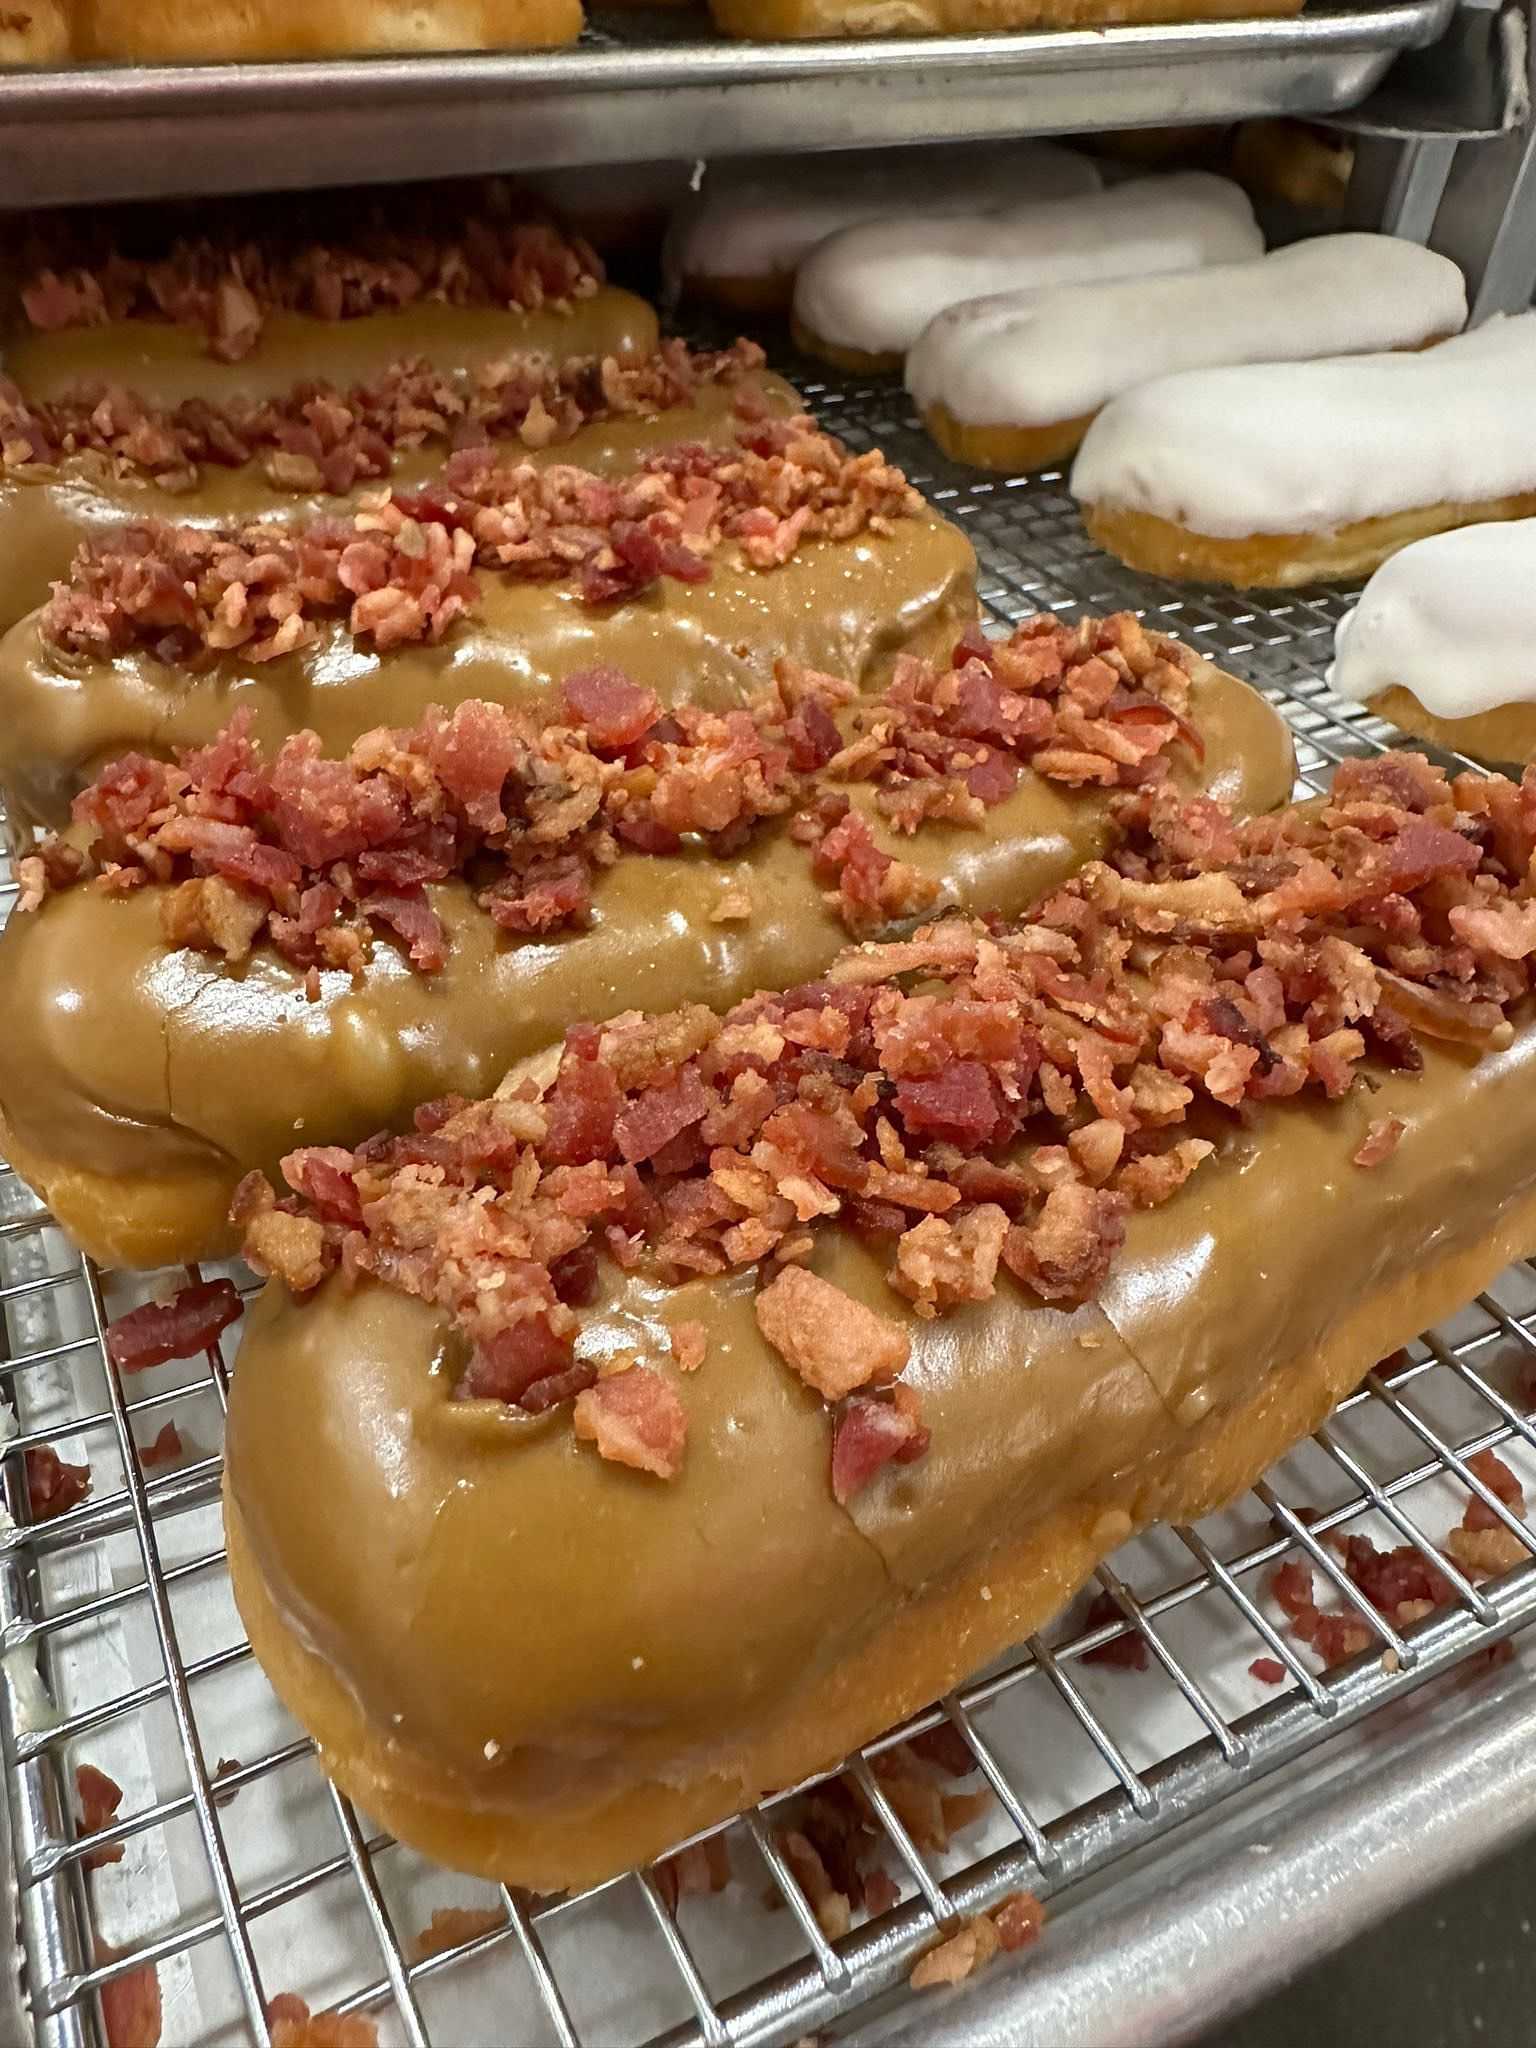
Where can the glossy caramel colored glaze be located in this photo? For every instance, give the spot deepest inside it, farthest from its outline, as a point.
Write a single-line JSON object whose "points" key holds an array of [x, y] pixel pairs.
{"points": [[1502, 736], [848, 607], [600, 1680], [1280, 561], [165, 364], [126, 1061], [44, 519]]}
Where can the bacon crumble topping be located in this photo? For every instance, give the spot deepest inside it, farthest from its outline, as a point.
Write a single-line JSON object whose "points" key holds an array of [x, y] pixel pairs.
{"points": [[320, 438], [400, 568], [311, 854], [927, 1093], [228, 287]]}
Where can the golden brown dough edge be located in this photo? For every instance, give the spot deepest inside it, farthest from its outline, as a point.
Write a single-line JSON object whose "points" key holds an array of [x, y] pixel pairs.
{"points": [[910, 1662], [1004, 447], [1281, 561], [1503, 736], [35, 34], [794, 18], [183, 31], [857, 362], [137, 1220]]}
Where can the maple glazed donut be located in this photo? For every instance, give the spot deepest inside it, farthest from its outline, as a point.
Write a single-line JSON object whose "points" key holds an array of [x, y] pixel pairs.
{"points": [[1443, 641], [1012, 382], [692, 574], [779, 19], [740, 242], [827, 1357], [863, 297], [73, 468], [232, 31], [158, 1043], [1272, 475]]}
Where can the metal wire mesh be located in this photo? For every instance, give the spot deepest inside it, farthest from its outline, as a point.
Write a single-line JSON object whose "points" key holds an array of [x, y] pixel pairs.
{"points": [[244, 1874]]}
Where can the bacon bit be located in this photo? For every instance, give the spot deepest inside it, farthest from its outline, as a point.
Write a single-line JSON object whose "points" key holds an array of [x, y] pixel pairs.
{"points": [[292, 2025], [1268, 1670], [635, 1418], [1380, 1142], [180, 1328], [130, 2004], [952, 1961], [1124, 1652], [881, 1894], [318, 438], [866, 1437], [224, 1768], [452, 1927], [165, 1449], [1484, 1553], [832, 1908], [100, 1797], [690, 1345], [702, 1868], [53, 1487], [832, 1341], [227, 282], [1500, 1482]]}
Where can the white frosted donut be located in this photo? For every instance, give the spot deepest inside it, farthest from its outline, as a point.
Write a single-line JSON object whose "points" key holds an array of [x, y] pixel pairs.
{"points": [[757, 223], [1050, 359], [1444, 639], [1276, 473], [872, 290]]}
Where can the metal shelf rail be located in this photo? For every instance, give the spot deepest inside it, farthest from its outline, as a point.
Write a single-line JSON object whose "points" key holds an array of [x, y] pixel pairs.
{"points": [[245, 1874]]}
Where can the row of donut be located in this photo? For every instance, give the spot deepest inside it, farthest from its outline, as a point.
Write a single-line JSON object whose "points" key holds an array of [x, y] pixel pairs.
{"points": [[59, 32]]}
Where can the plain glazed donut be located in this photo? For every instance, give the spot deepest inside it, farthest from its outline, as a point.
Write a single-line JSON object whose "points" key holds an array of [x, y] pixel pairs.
{"points": [[1443, 642], [1280, 474], [740, 242], [778, 19], [874, 574], [1012, 382], [234, 31], [863, 297], [520, 1673], [141, 1079], [64, 481]]}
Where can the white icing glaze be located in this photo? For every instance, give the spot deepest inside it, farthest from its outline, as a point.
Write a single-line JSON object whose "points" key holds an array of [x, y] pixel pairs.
{"points": [[1310, 447], [761, 222], [877, 287], [1030, 358], [1451, 618]]}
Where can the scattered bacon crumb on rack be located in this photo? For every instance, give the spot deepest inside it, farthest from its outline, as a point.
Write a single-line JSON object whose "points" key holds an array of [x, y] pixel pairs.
{"points": [[453, 1926], [1402, 1584], [100, 1797], [1014, 1924], [130, 2004], [52, 1486], [309, 854], [317, 437], [293, 2025], [400, 569], [976, 1101], [227, 289]]}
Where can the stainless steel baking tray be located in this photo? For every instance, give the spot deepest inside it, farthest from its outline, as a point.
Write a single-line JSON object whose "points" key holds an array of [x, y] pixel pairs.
{"points": [[1175, 1818], [644, 86]]}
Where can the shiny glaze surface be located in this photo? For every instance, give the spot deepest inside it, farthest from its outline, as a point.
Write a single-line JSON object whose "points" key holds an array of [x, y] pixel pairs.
{"points": [[166, 364], [843, 606], [121, 1056], [605, 1659], [44, 520]]}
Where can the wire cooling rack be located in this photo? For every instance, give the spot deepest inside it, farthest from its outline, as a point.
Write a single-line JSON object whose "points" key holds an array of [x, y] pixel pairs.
{"points": [[244, 1873]]}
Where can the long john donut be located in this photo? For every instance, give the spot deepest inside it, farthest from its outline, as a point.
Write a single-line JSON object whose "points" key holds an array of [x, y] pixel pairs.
{"points": [[549, 1711], [1279, 474], [74, 468], [118, 1084], [692, 574], [1012, 382]]}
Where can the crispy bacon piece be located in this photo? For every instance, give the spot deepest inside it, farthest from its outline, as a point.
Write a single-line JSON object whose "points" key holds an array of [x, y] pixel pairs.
{"points": [[703, 1867], [832, 1341], [867, 1436], [130, 2003], [100, 1797], [635, 1418], [1380, 1141], [52, 1486], [1126, 1651], [452, 1926], [292, 2025], [179, 1328]]}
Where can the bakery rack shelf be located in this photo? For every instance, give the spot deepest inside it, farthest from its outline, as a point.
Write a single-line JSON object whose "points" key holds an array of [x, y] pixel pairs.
{"points": [[1147, 1806], [652, 86]]}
